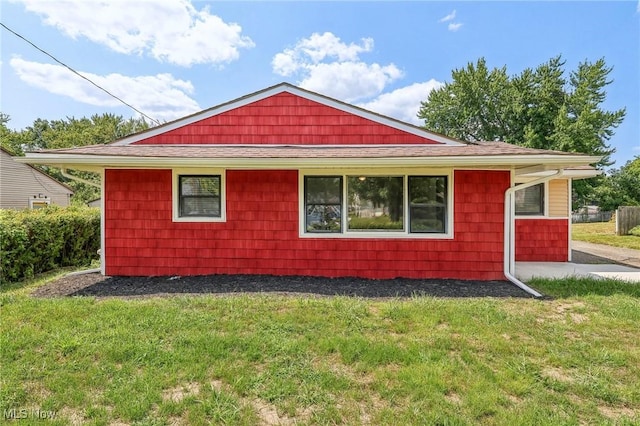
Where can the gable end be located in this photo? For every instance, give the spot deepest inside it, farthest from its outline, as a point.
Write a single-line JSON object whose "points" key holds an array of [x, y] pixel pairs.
{"points": [[286, 115]]}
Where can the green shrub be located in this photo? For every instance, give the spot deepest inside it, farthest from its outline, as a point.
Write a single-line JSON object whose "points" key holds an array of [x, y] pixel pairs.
{"points": [[36, 241], [380, 222], [635, 231]]}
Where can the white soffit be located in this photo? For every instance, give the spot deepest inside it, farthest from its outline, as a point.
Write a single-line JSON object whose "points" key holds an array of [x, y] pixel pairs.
{"points": [[507, 161]]}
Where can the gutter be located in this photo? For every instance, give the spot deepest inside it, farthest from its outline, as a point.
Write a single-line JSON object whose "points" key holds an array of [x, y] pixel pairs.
{"points": [[509, 230], [76, 178], [91, 161]]}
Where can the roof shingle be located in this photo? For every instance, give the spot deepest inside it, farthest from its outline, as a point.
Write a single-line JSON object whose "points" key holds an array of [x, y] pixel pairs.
{"points": [[306, 151]]}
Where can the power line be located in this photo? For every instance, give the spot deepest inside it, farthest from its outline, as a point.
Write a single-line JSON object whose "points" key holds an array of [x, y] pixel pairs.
{"points": [[80, 75]]}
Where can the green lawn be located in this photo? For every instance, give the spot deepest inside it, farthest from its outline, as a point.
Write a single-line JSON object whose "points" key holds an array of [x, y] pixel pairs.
{"points": [[603, 233], [266, 359]]}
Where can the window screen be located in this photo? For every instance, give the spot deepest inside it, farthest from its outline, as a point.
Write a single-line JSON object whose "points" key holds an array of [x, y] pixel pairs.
{"points": [[530, 201], [323, 203], [428, 204], [199, 196]]}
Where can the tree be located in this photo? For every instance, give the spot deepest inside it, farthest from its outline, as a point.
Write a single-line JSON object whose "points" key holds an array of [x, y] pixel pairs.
{"points": [[72, 132], [539, 108], [381, 191], [471, 108], [621, 187], [10, 140]]}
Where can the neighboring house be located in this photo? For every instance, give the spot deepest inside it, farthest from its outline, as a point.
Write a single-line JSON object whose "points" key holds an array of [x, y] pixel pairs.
{"points": [[23, 186], [289, 182]]}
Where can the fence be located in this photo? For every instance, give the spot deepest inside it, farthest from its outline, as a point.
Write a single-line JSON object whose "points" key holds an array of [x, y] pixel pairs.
{"points": [[626, 218], [588, 217]]}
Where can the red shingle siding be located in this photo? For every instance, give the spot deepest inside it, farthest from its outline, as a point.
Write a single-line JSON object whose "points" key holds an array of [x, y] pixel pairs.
{"points": [[286, 119], [542, 240], [260, 235]]}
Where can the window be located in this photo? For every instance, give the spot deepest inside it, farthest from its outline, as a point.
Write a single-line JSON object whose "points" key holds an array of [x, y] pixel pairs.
{"points": [[39, 203], [199, 196], [365, 205], [375, 203], [428, 204], [530, 201], [323, 203]]}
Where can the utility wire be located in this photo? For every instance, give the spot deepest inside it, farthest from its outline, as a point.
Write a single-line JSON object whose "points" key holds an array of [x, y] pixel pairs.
{"points": [[80, 75]]}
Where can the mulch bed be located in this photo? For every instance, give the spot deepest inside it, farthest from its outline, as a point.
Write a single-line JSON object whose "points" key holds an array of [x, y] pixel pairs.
{"points": [[96, 285]]}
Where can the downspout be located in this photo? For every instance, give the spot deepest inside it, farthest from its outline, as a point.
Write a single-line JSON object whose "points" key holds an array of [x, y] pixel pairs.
{"points": [[509, 230]]}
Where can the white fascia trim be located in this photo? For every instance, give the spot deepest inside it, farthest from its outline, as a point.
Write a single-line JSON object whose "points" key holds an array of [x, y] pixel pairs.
{"points": [[199, 116], [281, 88], [377, 118], [70, 160], [404, 234], [568, 174], [290, 145]]}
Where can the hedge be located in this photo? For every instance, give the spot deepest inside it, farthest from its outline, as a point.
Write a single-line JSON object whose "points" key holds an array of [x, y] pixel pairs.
{"points": [[36, 241], [635, 231]]}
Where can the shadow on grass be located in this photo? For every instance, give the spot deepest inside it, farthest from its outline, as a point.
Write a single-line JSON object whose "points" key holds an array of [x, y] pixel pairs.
{"points": [[574, 287]]}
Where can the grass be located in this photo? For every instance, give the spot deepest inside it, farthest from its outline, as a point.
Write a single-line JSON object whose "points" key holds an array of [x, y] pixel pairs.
{"points": [[603, 233], [584, 287], [265, 359]]}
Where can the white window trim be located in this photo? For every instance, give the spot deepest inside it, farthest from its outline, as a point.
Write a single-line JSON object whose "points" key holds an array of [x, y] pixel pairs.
{"points": [[175, 194], [545, 214], [404, 234], [40, 200]]}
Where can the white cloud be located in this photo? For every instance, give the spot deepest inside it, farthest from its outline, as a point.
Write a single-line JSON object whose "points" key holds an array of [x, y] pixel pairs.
{"points": [[452, 26], [449, 17], [325, 64], [350, 81], [160, 96], [403, 103], [310, 51], [169, 31]]}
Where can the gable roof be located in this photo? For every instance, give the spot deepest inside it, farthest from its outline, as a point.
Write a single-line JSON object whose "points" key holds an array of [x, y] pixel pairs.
{"points": [[285, 114], [35, 170], [287, 127]]}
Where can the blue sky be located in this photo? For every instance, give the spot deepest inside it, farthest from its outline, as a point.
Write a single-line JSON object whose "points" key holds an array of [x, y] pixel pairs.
{"points": [[173, 58]]}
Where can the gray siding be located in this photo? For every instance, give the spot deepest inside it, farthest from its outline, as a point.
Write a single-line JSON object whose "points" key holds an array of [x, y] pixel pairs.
{"points": [[19, 182]]}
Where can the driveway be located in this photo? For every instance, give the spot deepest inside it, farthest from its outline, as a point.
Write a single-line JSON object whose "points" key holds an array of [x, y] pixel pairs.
{"points": [[623, 256], [589, 260]]}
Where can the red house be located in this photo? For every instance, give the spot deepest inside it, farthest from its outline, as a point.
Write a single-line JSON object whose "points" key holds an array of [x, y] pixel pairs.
{"points": [[289, 182]]}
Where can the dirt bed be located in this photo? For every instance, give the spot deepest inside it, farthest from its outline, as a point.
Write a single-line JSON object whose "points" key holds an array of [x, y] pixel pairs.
{"points": [[97, 285]]}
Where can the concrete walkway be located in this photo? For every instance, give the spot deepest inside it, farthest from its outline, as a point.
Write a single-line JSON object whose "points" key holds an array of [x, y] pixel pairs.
{"points": [[625, 256], [630, 271]]}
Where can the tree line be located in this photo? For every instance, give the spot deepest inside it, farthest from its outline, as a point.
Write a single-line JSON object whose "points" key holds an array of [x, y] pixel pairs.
{"points": [[69, 133], [543, 107], [540, 107]]}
